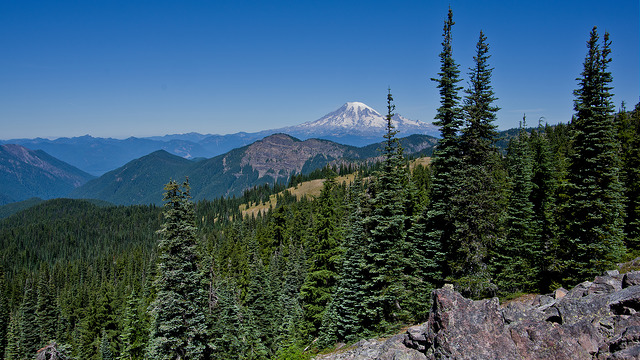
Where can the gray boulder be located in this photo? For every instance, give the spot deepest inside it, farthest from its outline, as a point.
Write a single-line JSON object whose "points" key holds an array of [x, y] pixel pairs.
{"points": [[595, 320]]}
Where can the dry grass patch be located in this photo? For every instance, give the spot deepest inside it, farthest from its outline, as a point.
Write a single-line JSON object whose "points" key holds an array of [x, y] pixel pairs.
{"points": [[311, 189], [424, 161]]}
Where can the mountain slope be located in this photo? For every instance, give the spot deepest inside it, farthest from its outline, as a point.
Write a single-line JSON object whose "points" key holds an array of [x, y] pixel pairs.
{"points": [[269, 160], [138, 182], [272, 159], [26, 173], [99, 155]]}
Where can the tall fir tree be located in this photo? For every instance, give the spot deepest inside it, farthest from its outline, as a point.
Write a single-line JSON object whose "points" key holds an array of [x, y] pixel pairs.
{"points": [[517, 256], [479, 134], [133, 335], [29, 338], [319, 284], [4, 313], [291, 314], [105, 347], [107, 316], [178, 325], [87, 339], [228, 331], [343, 320], [46, 307], [436, 221], [628, 123], [478, 204], [432, 228], [386, 243], [594, 232], [261, 303], [12, 350], [545, 177]]}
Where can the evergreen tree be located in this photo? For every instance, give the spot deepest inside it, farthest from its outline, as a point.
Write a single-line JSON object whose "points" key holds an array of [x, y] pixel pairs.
{"points": [[518, 255], [343, 320], [319, 284], [435, 224], [594, 232], [628, 123], [133, 336], [178, 325], [386, 243], [228, 332], [4, 313], [12, 350], [105, 347], [108, 317], [478, 203], [88, 332], [546, 175], [291, 313], [260, 310], [480, 133], [46, 307], [29, 338]]}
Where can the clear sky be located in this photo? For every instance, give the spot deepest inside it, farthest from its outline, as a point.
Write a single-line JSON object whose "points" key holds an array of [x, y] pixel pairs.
{"points": [[142, 68]]}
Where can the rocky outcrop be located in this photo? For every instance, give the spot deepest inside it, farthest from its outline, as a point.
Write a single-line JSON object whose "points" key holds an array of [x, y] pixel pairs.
{"points": [[598, 319], [281, 154], [393, 348]]}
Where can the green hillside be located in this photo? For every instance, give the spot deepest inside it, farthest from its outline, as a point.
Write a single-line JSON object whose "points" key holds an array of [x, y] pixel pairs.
{"points": [[138, 182]]}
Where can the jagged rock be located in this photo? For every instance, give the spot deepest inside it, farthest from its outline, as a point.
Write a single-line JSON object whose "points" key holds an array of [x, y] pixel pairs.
{"points": [[595, 320], [624, 346], [389, 349], [606, 284], [459, 326], [580, 290], [560, 293], [631, 279], [626, 301]]}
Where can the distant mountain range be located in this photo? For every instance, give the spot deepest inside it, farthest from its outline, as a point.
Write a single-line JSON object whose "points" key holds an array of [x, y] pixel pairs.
{"points": [[27, 173], [354, 124], [269, 160], [134, 170]]}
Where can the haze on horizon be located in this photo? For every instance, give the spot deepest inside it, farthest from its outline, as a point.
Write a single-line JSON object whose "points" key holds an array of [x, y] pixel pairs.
{"points": [[121, 68]]}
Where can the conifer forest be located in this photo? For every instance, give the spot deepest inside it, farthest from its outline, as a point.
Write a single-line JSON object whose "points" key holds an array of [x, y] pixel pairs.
{"points": [[201, 280]]}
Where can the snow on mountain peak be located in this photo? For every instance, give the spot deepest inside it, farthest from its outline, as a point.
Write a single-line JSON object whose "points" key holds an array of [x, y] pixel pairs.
{"points": [[357, 107], [350, 115], [357, 118]]}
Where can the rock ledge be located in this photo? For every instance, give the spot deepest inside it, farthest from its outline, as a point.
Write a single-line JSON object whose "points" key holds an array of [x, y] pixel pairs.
{"points": [[595, 320]]}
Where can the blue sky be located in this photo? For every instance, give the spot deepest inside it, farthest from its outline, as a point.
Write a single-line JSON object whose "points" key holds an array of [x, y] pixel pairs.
{"points": [[142, 68]]}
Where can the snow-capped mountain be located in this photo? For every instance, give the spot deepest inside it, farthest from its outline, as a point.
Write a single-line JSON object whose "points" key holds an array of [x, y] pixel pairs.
{"points": [[352, 115], [358, 119]]}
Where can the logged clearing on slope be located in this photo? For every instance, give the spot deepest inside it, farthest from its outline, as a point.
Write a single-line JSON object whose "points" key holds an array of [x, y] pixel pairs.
{"points": [[310, 188]]}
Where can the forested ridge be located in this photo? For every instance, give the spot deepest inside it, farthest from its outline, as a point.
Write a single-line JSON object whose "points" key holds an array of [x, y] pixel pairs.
{"points": [[197, 280]]}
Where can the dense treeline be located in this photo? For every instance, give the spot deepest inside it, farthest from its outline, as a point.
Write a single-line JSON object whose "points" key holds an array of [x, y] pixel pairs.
{"points": [[202, 281]]}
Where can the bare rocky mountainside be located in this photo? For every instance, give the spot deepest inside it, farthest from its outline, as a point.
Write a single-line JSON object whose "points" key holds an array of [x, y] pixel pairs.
{"points": [[282, 154], [597, 319]]}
